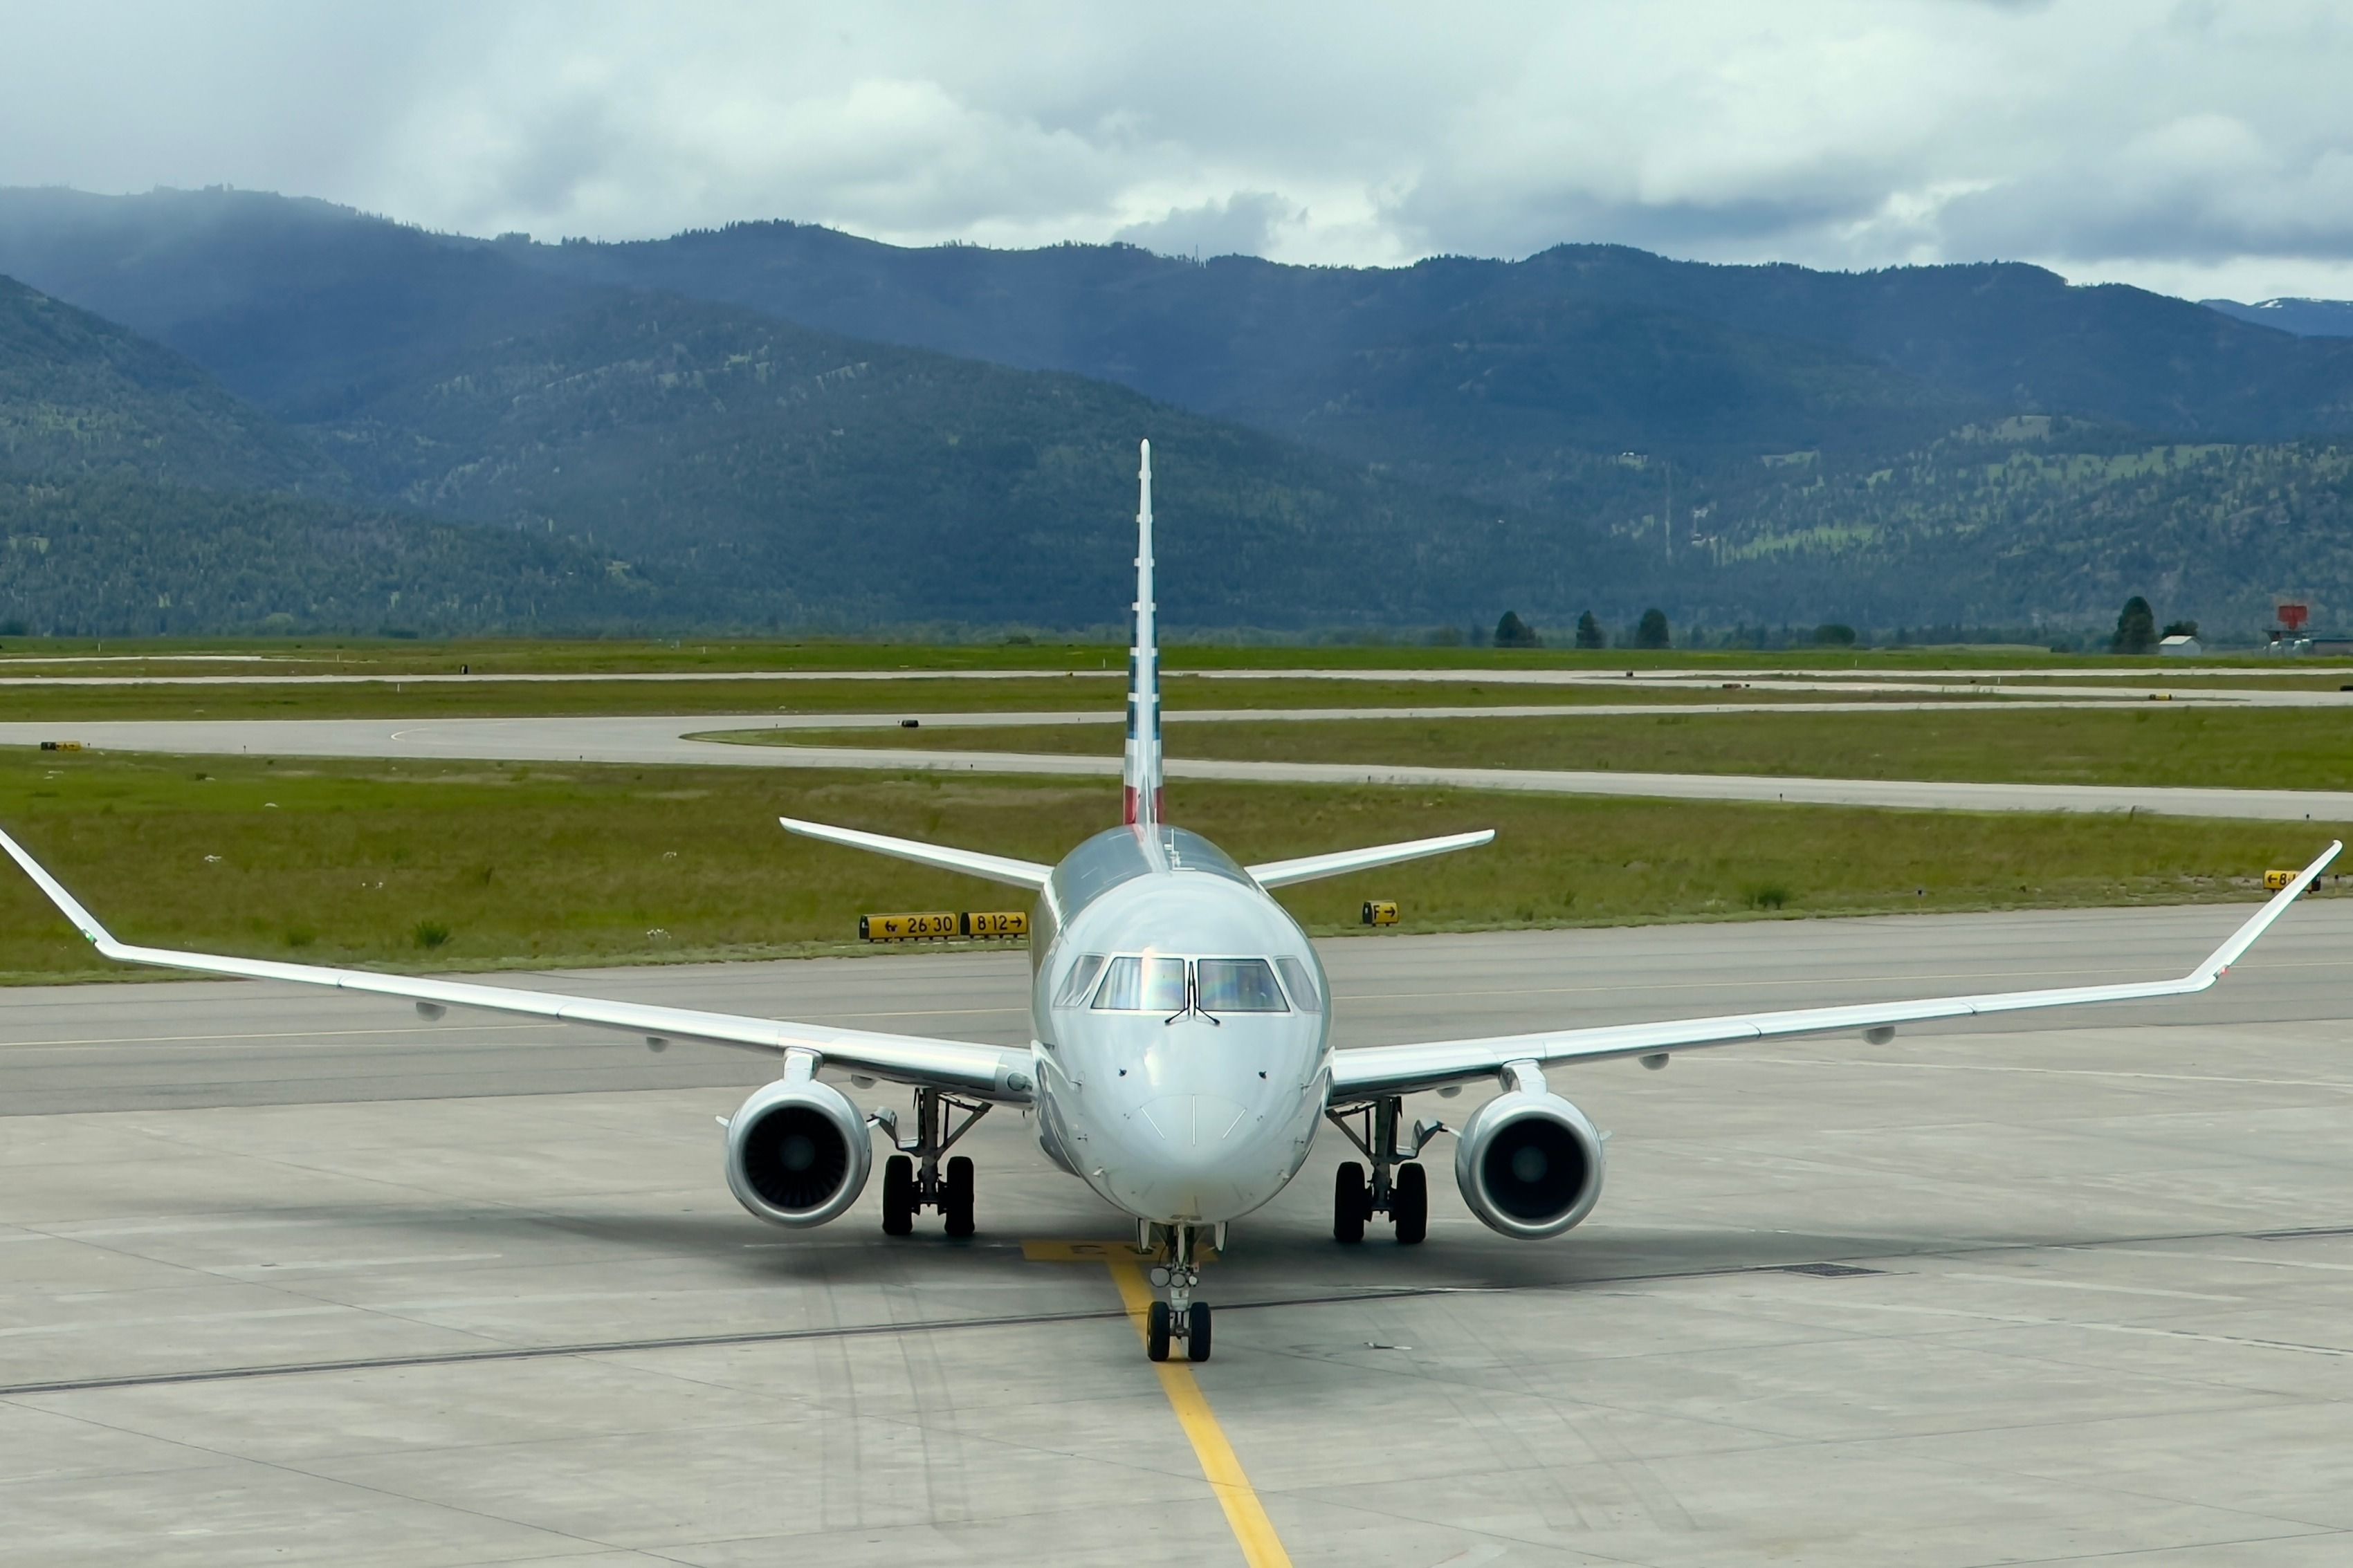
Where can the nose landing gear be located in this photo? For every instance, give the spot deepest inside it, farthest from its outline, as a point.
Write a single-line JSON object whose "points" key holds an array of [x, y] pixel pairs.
{"points": [[1179, 1318], [1398, 1186], [909, 1187]]}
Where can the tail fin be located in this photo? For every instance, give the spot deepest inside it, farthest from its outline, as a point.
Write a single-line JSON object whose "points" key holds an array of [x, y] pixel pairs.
{"points": [[1141, 775]]}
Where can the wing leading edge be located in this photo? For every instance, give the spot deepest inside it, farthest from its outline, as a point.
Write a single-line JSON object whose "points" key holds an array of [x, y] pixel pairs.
{"points": [[1373, 1071], [982, 1070], [1308, 867], [971, 862]]}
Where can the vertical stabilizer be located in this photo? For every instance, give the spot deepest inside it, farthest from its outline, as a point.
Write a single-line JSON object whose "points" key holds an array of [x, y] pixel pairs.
{"points": [[1141, 777]]}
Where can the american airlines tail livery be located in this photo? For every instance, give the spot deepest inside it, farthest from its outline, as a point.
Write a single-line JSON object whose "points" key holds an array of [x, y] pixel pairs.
{"points": [[1180, 1061]]}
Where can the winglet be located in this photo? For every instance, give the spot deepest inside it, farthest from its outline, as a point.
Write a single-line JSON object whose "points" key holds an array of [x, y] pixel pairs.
{"points": [[2229, 952], [82, 919]]}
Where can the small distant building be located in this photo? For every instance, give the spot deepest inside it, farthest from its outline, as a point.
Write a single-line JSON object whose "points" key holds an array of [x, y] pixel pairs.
{"points": [[2179, 645]]}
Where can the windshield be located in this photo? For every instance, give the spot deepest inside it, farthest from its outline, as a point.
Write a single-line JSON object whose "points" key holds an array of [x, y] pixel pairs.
{"points": [[1142, 985], [1236, 985], [1302, 984], [1081, 976], [1138, 984]]}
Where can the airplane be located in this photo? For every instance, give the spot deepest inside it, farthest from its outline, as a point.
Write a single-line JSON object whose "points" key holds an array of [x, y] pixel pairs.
{"points": [[1181, 1059]]}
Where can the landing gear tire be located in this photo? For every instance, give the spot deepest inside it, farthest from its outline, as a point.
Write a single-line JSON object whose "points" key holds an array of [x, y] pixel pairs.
{"points": [[898, 1196], [1155, 1331], [1197, 1331], [956, 1198], [1410, 1205], [1348, 1206]]}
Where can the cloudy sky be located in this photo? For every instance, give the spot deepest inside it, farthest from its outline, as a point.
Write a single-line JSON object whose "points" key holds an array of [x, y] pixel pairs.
{"points": [[2201, 147]]}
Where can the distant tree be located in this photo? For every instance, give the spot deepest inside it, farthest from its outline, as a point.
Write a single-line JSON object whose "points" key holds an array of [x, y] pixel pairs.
{"points": [[2180, 629], [1589, 633], [1514, 631], [1652, 632], [1832, 634], [1445, 636], [2136, 627]]}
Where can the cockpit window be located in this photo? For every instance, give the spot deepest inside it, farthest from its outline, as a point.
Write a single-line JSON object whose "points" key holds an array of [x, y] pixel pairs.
{"points": [[1075, 984], [1142, 985], [1236, 985], [1302, 983]]}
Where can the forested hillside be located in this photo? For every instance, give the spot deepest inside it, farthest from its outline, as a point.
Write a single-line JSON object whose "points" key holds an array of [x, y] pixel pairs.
{"points": [[113, 556], [301, 307], [862, 481], [2015, 527], [1241, 337], [777, 424], [81, 395], [2305, 318]]}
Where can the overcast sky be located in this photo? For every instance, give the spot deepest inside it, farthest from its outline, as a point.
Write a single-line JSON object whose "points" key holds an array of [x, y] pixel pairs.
{"points": [[2199, 148]]}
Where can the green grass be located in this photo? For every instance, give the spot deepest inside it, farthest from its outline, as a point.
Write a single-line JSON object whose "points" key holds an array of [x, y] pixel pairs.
{"points": [[474, 866], [393, 699], [2158, 743], [558, 656]]}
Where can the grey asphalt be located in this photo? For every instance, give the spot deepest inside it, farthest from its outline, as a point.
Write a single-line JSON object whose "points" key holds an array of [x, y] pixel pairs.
{"points": [[2085, 1296], [642, 739]]}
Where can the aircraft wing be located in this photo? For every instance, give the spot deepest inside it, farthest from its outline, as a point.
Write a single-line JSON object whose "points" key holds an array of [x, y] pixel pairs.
{"points": [[1308, 867], [987, 1072], [1373, 1072], [971, 862]]}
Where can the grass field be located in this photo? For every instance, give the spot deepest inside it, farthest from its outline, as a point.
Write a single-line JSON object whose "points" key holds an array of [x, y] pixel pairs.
{"points": [[393, 699], [482, 866], [2279, 748], [405, 655]]}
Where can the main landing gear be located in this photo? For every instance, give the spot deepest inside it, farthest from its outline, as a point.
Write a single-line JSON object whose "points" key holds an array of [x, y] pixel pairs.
{"points": [[913, 1179], [1179, 1318], [1398, 1186]]}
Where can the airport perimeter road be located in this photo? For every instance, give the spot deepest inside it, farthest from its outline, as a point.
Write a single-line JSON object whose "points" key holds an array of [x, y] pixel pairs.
{"points": [[288, 1277], [657, 739]]}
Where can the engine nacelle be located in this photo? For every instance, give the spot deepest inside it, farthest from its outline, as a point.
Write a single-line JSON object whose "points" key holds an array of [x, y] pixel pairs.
{"points": [[1529, 1163], [797, 1152]]}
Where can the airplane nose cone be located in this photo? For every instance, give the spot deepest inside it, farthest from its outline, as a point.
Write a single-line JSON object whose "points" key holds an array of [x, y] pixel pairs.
{"points": [[1194, 1128]]}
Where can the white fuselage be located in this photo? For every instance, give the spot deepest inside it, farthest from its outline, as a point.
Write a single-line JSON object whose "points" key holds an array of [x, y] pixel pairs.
{"points": [[1176, 1112]]}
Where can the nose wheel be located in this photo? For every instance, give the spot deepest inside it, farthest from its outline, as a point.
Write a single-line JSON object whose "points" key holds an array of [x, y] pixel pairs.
{"points": [[1179, 1319], [917, 1178]]}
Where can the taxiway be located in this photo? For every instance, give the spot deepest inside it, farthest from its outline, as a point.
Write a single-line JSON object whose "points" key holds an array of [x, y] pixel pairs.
{"points": [[293, 1277]]}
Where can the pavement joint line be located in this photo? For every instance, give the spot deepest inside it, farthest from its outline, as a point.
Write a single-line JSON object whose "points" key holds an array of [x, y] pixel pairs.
{"points": [[1022, 1319], [1254, 1532], [665, 1342]]}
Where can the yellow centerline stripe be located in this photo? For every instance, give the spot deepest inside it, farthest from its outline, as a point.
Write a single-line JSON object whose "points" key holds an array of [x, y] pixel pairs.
{"points": [[1245, 1515], [1220, 1467]]}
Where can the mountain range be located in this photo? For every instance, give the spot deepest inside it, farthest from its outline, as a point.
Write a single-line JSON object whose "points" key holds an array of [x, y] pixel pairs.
{"points": [[777, 424]]}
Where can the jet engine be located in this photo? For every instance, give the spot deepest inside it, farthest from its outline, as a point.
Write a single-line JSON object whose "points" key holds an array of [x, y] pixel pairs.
{"points": [[1528, 1162], [797, 1152]]}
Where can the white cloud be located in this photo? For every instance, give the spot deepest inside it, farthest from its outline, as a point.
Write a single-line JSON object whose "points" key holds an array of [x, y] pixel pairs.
{"points": [[1244, 224], [2200, 148]]}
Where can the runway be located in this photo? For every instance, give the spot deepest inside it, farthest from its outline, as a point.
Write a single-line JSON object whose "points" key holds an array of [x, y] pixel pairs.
{"points": [[303, 1276], [648, 740]]}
